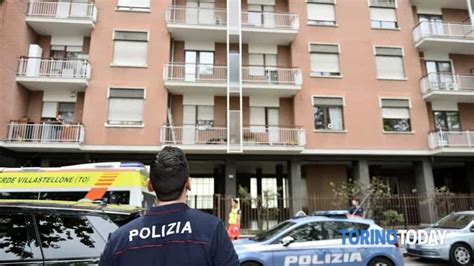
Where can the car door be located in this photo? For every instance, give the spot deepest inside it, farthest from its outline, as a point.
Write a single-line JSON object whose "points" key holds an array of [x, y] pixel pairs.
{"points": [[18, 242], [69, 239], [308, 246]]}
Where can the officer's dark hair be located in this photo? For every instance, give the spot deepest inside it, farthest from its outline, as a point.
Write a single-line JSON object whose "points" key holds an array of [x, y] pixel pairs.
{"points": [[236, 201], [169, 173]]}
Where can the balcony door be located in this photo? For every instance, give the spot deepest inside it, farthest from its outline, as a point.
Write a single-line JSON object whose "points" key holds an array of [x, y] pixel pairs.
{"points": [[447, 120], [265, 120], [201, 13], [440, 75], [273, 120], [261, 15], [198, 64], [435, 27]]}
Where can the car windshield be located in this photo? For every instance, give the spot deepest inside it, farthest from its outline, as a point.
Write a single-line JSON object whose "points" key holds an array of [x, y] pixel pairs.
{"points": [[455, 221], [264, 236]]}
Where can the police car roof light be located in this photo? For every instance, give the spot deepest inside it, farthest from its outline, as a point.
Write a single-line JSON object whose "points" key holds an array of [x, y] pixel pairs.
{"points": [[333, 213]]}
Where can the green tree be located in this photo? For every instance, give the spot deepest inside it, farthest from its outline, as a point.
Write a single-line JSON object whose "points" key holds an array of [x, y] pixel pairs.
{"points": [[264, 205]]}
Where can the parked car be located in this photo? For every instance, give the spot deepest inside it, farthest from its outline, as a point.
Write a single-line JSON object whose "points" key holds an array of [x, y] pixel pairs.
{"points": [[315, 240], [458, 243], [57, 232]]}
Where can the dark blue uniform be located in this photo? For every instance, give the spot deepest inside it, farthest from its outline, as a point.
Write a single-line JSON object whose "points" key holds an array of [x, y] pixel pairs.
{"points": [[172, 235]]}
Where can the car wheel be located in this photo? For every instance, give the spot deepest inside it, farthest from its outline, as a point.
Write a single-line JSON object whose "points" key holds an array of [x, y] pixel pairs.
{"points": [[251, 263], [380, 262], [461, 254]]}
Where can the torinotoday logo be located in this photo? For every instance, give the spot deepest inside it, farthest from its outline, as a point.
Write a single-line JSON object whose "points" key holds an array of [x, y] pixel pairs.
{"points": [[393, 237]]}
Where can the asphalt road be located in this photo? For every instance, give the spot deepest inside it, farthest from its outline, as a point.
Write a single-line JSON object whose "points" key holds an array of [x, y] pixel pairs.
{"points": [[417, 262]]}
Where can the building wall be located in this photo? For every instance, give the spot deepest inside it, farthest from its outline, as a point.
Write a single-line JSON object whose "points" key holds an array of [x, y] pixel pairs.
{"points": [[15, 37], [35, 106], [455, 15], [105, 76], [359, 86]]}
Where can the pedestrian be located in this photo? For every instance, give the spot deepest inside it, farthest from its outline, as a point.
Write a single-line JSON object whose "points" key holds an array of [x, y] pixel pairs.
{"points": [[170, 233], [234, 220], [356, 209]]}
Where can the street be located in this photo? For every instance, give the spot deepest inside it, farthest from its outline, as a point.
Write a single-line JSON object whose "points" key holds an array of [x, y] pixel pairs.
{"points": [[418, 262]]}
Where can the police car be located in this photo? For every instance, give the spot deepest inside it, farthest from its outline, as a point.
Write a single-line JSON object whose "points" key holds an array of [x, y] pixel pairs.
{"points": [[315, 240]]}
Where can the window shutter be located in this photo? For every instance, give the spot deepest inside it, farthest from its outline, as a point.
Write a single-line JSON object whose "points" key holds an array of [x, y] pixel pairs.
{"points": [[205, 113], [390, 51], [130, 53], [134, 3], [127, 93], [390, 67], [131, 36], [49, 109], [328, 101], [324, 48], [321, 12], [325, 63], [257, 119], [396, 113], [126, 110], [383, 14], [396, 103]]}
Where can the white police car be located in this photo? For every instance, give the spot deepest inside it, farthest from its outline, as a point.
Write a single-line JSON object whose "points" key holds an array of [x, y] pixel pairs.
{"points": [[315, 240]]}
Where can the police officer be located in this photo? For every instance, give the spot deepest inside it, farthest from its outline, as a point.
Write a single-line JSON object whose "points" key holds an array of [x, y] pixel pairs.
{"points": [[171, 233]]}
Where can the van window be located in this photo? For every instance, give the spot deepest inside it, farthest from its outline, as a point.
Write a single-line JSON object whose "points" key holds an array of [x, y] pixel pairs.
{"points": [[17, 238], [68, 237]]}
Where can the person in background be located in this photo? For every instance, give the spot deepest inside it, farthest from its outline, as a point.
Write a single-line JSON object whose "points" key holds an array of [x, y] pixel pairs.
{"points": [[171, 234], [356, 209], [234, 220]]}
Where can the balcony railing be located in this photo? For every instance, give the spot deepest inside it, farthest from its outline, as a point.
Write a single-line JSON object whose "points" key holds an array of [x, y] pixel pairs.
{"points": [[451, 139], [383, 3], [195, 73], [53, 68], [434, 29], [62, 10], [270, 20], [271, 75], [45, 133], [274, 136], [196, 16], [254, 135], [447, 82], [193, 134]]}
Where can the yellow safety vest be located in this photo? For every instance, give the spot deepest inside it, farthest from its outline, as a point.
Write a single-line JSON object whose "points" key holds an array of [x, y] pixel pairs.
{"points": [[233, 216]]}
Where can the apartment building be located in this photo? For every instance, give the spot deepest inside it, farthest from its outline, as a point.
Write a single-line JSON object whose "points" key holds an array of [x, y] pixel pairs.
{"points": [[271, 95]]}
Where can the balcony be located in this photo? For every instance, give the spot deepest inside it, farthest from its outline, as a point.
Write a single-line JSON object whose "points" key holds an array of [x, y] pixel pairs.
{"points": [[269, 27], [29, 136], [256, 138], [181, 78], [53, 74], [61, 18], [197, 24], [454, 4], [444, 37], [452, 142], [448, 87], [284, 82]]}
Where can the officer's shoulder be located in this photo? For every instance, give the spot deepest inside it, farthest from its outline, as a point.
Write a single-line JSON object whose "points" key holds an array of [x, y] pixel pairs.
{"points": [[124, 229]]}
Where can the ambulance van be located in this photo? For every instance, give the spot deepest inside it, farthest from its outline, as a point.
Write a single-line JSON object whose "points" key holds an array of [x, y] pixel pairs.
{"points": [[113, 183]]}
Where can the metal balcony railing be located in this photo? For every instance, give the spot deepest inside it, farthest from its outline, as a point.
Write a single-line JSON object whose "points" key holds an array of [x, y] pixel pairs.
{"points": [[451, 139], [45, 133], [270, 20], [447, 82], [269, 135], [435, 29], [196, 16], [271, 75], [383, 3], [62, 10], [193, 135], [195, 73], [53, 68]]}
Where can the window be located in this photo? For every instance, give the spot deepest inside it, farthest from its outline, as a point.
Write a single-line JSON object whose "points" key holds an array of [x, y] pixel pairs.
{"points": [[126, 106], [66, 110], [383, 18], [200, 115], [308, 232], [263, 65], [133, 5], [269, 193], [396, 115], [447, 120], [321, 12], [198, 63], [263, 118], [17, 239], [130, 48], [202, 194], [440, 75], [389, 63], [68, 237], [328, 113], [261, 15], [324, 60]]}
